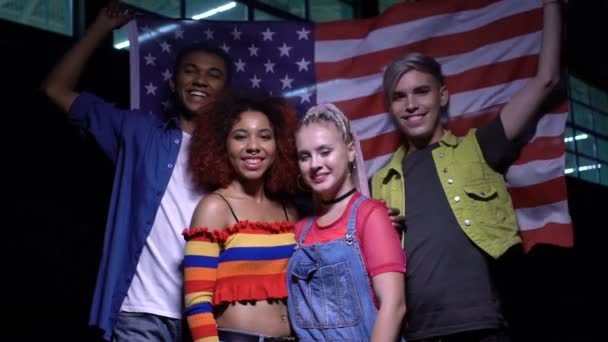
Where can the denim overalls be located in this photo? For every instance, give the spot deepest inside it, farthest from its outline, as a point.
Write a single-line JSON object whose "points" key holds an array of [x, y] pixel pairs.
{"points": [[329, 290]]}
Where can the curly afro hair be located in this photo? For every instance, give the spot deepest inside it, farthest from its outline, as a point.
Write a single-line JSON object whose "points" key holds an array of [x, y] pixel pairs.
{"points": [[208, 157]]}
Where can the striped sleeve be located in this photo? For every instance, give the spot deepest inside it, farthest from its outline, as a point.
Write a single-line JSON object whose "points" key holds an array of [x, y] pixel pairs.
{"points": [[200, 274]]}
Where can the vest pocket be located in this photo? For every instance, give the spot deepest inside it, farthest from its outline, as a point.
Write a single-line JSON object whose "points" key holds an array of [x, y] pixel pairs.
{"points": [[324, 297], [484, 203], [482, 192]]}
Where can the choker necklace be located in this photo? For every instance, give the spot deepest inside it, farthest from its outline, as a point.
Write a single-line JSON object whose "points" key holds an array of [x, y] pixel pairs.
{"points": [[338, 199]]}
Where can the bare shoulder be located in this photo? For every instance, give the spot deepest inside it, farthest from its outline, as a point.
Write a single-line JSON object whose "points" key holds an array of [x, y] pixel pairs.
{"points": [[292, 213], [211, 212]]}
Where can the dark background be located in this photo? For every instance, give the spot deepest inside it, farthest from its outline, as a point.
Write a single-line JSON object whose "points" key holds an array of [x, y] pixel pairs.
{"points": [[59, 185]]}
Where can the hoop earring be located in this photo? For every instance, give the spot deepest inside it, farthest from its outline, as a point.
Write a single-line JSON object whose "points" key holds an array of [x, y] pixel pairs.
{"points": [[300, 183]]}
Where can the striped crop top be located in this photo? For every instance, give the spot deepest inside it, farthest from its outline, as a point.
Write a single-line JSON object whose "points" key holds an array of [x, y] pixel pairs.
{"points": [[247, 261]]}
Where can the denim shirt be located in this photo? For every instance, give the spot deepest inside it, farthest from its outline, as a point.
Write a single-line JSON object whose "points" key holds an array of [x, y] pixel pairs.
{"points": [[476, 193], [143, 150]]}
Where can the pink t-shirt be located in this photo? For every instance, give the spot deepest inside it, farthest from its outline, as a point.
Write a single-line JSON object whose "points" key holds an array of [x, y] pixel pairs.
{"points": [[377, 237]]}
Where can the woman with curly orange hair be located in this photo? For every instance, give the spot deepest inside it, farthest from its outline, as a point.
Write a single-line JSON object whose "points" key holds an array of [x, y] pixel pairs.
{"points": [[242, 235]]}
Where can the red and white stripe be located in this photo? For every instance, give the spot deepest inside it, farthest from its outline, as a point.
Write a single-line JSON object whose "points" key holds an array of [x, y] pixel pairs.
{"points": [[488, 51]]}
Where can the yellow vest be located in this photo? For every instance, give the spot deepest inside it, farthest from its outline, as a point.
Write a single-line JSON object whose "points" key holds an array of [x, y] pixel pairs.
{"points": [[477, 194]]}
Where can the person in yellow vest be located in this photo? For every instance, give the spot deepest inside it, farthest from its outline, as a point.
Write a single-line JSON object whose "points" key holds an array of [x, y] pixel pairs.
{"points": [[458, 213]]}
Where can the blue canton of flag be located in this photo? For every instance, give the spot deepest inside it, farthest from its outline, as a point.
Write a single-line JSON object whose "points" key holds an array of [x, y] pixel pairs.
{"points": [[277, 57]]}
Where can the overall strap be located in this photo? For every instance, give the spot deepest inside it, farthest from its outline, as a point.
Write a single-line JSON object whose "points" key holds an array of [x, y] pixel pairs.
{"points": [[285, 211], [305, 230], [229, 206], [351, 228]]}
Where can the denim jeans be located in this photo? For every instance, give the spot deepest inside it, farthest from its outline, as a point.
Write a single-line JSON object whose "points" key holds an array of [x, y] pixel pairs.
{"points": [[234, 335], [145, 327]]}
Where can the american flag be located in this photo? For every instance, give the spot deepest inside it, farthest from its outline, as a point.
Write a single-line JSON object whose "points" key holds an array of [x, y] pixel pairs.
{"points": [[488, 50], [277, 57]]}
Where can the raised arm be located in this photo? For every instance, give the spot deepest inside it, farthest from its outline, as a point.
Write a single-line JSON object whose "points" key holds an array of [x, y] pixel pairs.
{"points": [[60, 84], [521, 108]]}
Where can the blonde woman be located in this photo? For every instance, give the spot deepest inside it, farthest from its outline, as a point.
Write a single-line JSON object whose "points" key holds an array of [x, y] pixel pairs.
{"points": [[346, 276]]}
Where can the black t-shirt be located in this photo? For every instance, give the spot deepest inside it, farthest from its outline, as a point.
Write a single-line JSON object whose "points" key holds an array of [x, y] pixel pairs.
{"points": [[448, 283]]}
